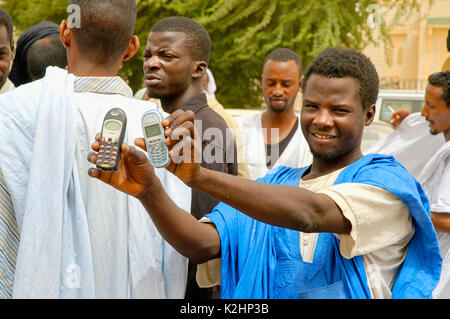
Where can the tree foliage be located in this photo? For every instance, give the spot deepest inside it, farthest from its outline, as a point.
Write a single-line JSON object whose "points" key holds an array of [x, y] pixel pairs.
{"points": [[243, 32]]}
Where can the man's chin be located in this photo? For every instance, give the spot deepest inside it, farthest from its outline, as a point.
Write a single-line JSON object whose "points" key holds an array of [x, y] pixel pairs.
{"points": [[156, 95], [278, 109], [330, 156], [434, 131]]}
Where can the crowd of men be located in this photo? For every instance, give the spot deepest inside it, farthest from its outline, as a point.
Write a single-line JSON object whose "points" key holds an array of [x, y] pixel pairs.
{"points": [[274, 205]]}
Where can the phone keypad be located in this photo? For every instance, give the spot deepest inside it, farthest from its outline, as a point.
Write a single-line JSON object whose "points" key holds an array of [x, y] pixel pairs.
{"points": [[107, 156], [158, 153]]}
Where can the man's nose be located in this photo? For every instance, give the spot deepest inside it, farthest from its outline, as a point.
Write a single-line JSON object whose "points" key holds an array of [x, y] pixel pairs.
{"points": [[323, 119], [152, 63], [278, 90], [424, 112]]}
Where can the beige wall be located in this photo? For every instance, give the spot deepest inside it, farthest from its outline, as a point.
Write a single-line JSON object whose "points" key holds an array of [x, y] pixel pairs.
{"points": [[419, 47]]}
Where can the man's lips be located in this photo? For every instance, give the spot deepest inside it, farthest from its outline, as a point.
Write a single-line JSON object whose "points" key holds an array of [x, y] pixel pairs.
{"points": [[323, 136], [277, 101], [151, 79]]}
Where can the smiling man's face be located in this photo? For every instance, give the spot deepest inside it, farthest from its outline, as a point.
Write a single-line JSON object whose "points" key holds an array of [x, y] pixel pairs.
{"points": [[333, 118]]}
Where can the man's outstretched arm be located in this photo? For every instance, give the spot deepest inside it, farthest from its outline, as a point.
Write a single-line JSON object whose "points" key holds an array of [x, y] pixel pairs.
{"points": [[135, 176], [278, 205]]}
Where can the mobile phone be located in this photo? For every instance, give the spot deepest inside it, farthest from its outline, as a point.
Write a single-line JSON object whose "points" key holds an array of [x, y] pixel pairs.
{"points": [[113, 133], [157, 150]]}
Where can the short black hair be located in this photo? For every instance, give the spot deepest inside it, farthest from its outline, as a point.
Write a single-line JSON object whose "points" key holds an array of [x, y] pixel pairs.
{"points": [[343, 62], [106, 28], [44, 53], [197, 36], [442, 80], [284, 55], [5, 20]]}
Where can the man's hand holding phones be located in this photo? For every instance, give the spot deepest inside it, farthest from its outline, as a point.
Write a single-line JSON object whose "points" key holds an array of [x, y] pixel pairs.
{"points": [[185, 149], [135, 174]]}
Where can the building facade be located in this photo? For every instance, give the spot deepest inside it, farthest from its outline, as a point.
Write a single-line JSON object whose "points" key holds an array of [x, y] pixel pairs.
{"points": [[419, 47]]}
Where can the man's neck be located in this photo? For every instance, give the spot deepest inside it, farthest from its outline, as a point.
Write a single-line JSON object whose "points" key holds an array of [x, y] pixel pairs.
{"points": [[322, 167], [84, 69], [173, 103], [284, 121]]}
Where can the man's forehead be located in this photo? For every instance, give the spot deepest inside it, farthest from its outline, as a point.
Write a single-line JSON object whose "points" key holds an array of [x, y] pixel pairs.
{"points": [[281, 69], [318, 82], [167, 38], [279, 65], [434, 92], [335, 89]]}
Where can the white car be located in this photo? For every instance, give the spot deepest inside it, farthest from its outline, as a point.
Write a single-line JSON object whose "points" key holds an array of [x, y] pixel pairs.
{"points": [[390, 101]]}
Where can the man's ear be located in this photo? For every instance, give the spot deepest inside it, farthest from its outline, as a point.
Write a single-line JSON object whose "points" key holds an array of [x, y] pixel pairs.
{"points": [[300, 84], [370, 115], [132, 48], [13, 54], [65, 33], [199, 69]]}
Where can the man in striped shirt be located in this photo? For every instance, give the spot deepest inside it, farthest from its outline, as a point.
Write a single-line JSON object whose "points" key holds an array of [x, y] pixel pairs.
{"points": [[78, 239], [9, 233]]}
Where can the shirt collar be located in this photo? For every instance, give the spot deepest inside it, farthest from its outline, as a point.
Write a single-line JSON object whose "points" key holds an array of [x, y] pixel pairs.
{"points": [[195, 103], [104, 85]]}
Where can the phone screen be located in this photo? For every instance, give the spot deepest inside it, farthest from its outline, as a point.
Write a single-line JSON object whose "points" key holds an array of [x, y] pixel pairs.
{"points": [[152, 130], [113, 125]]}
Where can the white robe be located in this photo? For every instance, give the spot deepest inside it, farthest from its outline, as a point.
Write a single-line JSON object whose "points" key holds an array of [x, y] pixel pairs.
{"points": [[427, 158], [296, 154], [435, 179], [80, 238], [411, 144]]}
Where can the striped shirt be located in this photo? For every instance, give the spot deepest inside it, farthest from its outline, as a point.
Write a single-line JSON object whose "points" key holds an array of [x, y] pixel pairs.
{"points": [[102, 85], [9, 242], [9, 230]]}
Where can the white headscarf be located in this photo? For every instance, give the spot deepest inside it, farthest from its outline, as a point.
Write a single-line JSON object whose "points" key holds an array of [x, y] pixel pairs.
{"points": [[211, 87]]}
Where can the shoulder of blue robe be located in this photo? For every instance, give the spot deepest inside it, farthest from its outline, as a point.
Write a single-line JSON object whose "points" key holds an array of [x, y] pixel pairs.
{"points": [[248, 272], [421, 269], [249, 262]]}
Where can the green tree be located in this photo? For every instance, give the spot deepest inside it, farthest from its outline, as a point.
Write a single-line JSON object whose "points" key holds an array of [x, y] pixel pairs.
{"points": [[243, 32]]}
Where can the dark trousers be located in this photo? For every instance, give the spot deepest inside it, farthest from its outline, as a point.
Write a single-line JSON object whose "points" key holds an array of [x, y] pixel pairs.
{"points": [[194, 292]]}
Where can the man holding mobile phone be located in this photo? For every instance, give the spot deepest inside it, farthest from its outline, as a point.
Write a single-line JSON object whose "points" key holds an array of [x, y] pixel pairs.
{"points": [[348, 226]]}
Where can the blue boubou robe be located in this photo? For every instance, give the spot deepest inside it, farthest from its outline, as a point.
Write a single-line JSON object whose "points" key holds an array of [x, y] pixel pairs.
{"points": [[263, 261]]}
